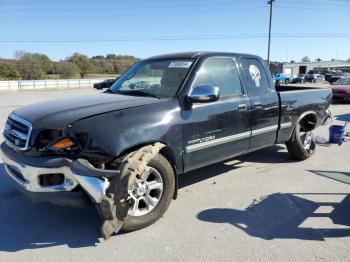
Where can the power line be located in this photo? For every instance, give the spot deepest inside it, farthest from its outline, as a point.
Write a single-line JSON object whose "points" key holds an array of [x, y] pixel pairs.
{"points": [[317, 3], [102, 2], [181, 38], [313, 8], [160, 6], [172, 12]]}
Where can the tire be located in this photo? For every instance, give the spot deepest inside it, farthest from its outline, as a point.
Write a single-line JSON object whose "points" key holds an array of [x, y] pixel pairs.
{"points": [[302, 144], [164, 168]]}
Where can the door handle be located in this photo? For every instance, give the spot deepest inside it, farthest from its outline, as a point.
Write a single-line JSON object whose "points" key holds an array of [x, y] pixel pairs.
{"points": [[242, 107], [257, 105]]}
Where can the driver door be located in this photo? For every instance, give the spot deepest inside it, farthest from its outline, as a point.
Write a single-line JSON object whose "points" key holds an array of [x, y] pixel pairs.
{"points": [[215, 131]]}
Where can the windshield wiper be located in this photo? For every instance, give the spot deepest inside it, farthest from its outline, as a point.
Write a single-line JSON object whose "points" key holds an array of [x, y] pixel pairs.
{"points": [[136, 93]]}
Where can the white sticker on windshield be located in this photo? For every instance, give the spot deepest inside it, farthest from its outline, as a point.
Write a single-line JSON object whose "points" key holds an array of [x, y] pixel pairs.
{"points": [[180, 64]]}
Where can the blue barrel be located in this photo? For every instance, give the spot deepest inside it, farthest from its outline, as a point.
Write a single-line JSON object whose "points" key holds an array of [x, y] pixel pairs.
{"points": [[336, 134]]}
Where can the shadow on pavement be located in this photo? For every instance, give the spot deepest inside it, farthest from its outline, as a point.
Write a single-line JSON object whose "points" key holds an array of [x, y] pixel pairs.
{"points": [[343, 177], [268, 155], [27, 225], [343, 117], [280, 216]]}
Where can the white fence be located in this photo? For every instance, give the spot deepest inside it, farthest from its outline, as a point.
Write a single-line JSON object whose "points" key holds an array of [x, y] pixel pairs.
{"points": [[47, 84]]}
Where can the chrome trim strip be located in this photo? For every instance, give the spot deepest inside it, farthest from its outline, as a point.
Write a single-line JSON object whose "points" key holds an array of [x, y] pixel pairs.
{"points": [[286, 125], [219, 141], [264, 130], [19, 134], [227, 139], [21, 120]]}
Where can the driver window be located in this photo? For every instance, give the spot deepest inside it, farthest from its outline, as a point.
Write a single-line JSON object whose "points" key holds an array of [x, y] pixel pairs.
{"points": [[221, 72]]}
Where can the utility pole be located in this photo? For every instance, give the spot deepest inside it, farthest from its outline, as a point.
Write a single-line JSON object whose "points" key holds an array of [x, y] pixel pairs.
{"points": [[270, 2]]}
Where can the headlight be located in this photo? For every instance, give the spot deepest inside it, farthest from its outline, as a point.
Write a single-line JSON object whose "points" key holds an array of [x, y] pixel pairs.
{"points": [[61, 143], [348, 91]]}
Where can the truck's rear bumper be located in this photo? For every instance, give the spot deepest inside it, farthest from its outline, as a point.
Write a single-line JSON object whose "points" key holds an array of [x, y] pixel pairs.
{"points": [[57, 180], [328, 117]]}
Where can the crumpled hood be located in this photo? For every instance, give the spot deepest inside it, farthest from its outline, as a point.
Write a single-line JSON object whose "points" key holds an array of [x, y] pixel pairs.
{"points": [[58, 114]]}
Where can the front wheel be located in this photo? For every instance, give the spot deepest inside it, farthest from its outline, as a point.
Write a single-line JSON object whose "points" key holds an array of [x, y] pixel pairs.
{"points": [[302, 144], [151, 194]]}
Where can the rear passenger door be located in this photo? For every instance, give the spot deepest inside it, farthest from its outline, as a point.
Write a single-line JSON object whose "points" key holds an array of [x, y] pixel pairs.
{"points": [[265, 102], [217, 130]]}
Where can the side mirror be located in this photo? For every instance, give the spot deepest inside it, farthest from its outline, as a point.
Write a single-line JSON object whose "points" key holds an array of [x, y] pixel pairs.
{"points": [[204, 93]]}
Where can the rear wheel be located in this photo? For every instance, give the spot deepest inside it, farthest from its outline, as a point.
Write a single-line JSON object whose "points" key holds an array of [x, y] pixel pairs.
{"points": [[151, 194], [302, 144]]}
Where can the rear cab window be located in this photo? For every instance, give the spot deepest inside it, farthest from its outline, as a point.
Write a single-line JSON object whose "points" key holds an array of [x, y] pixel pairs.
{"points": [[256, 76]]}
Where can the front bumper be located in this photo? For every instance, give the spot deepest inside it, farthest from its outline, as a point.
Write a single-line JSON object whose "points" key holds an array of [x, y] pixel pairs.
{"points": [[80, 179]]}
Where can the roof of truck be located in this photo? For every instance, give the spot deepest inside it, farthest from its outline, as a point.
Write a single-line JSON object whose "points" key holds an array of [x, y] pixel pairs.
{"points": [[196, 54]]}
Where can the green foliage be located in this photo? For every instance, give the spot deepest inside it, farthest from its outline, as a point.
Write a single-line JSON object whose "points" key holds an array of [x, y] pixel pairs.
{"points": [[30, 67], [98, 57], [8, 71], [46, 64], [39, 66], [83, 62], [113, 64], [67, 69]]}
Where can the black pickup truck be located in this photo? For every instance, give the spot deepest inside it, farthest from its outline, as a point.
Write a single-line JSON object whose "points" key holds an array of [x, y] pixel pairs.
{"points": [[122, 150]]}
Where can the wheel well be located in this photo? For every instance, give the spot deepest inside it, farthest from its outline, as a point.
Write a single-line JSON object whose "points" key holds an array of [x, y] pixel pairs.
{"points": [[167, 152], [308, 122]]}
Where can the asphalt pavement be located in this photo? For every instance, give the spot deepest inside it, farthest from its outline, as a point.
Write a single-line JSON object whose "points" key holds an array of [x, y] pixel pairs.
{"points": [[259, 207]]}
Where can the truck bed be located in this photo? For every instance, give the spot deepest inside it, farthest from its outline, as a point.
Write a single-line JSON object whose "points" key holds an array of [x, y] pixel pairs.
{"points": [[295, 101]]}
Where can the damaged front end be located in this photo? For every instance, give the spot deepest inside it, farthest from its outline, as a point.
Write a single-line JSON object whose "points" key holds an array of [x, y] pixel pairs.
{"points": [[64, 181]]}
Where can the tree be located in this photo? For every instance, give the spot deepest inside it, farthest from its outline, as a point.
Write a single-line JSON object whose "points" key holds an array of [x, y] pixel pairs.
{"points": [[305, 59], [349, 59], [83, 62], [67, 69], [46, 63], [318, 59], [111, 56], [29, 67], [8, 72], [292, 61], [97, 57]]}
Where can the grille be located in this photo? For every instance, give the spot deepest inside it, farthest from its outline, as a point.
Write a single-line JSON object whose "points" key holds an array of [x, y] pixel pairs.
{"points": [[17, 132]]}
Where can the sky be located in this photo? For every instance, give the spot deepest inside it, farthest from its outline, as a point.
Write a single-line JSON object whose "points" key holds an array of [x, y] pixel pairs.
{"points": [[58, 28]]}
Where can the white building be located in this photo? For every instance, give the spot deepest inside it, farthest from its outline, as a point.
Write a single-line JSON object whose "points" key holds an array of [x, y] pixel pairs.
{"points": [[294, 69]]}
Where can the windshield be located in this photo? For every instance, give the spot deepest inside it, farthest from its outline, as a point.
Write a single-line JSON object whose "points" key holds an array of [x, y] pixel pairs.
{"points": [[159, 78], [343, 81]]}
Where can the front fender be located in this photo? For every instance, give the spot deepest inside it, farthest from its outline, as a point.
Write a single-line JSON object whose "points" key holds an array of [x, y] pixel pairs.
{"points": [[111, 134]]}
